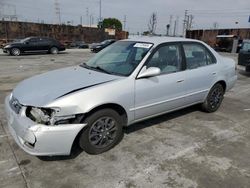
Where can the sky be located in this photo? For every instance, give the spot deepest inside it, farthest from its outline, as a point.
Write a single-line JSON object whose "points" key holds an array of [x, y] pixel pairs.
{"points": [[225, 13]]}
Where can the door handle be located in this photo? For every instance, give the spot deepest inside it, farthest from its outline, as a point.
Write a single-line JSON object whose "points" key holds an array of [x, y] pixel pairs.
{"points": [[179, 81], [214, 73]]}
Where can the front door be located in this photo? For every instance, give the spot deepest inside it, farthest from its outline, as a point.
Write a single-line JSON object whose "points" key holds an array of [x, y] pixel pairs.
{"points": [[165, 92]]}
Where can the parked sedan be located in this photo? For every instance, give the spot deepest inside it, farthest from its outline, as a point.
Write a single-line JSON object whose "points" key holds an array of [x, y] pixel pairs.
{"points": [[244, 55], [34, 44], [127, 82], [96, 47]]}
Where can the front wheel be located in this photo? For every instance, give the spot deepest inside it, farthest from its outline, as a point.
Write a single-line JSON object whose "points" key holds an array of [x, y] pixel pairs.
{"points": [[214, 98], [104, 131], [15, 51]]}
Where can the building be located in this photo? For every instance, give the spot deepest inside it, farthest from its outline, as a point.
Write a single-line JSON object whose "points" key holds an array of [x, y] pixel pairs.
{"points": [[213, 36]]}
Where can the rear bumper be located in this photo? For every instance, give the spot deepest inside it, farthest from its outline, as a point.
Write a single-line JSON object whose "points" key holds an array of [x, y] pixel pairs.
{"points": [[37, 139]]}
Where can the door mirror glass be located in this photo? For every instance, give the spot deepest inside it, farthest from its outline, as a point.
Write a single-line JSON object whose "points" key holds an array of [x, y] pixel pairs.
{"points": [[150, 72]]}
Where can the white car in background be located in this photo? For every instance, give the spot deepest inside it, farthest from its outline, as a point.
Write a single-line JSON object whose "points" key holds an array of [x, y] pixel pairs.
{"points": [[127, 82]]}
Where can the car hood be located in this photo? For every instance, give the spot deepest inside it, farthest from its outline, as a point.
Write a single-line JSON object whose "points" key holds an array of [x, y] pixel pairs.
{"points": [[13, 43], [42, 89]]}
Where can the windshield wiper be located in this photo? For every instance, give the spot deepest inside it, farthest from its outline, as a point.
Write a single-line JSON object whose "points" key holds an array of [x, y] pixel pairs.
{"points": [[98, 68], [84, 65], [101, 69]]}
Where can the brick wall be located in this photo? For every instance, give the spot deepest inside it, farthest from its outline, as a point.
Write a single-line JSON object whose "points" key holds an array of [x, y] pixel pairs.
{"points": [[64, 33]]}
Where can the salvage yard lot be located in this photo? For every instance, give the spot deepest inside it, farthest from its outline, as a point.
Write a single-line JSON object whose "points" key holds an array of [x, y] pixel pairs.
{"points": [[187, 148]]}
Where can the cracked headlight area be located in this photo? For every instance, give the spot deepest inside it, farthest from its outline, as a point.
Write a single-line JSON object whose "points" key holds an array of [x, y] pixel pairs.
{"points": [[40, 115], [47, 116]]}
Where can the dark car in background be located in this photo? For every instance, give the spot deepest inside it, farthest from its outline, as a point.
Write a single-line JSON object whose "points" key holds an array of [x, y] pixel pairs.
{"points": [[34, 44], [244, 55], [79, 44], [96, 47]]}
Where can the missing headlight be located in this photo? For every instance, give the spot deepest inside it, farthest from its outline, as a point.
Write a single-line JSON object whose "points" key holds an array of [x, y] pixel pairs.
{"points": [[48, 116], [40, 115]]}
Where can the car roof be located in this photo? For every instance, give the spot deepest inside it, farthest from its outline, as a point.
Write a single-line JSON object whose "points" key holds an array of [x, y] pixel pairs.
{"points": [[158, 40]]}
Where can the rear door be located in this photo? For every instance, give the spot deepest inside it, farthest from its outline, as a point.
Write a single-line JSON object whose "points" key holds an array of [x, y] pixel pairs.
{"points": [[201, 71], [44, 44]]}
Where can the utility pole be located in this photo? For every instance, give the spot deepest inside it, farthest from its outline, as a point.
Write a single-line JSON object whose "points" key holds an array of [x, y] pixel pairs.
{"points": [[100, 10], [185, 23], [124, 22], [87, 16], [57, 12], [190, 21], [1, 10], [170, 24], [175, 23], [90, 20], [81, 20]]}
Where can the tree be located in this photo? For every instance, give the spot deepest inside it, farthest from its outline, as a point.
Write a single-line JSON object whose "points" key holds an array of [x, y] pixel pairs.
{"points": [[112, 23], [152, 23]]}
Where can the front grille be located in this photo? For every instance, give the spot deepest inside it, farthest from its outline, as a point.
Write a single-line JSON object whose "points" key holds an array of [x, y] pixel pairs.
{"points": [[15, 105]]}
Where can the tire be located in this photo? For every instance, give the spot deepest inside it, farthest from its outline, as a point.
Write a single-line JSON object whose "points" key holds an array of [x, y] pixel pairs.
{"points": [[54, 50], [103, 132], [214, 98], [15, 51]]}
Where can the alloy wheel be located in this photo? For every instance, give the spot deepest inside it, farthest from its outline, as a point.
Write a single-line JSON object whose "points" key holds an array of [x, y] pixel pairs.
{"points": [[103, 132], [15, 52]]}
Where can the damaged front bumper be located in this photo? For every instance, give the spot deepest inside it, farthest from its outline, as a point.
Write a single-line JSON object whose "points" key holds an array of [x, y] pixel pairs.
{"points": [[37, 139]]}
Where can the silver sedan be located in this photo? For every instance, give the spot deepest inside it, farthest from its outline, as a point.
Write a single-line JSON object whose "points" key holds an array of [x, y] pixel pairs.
{"points": [[127, 82]]}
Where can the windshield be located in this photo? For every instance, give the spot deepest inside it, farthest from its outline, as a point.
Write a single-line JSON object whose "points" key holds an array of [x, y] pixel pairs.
{"points": [[105, 42], [121, 58], [246, 46], [24, 40]]}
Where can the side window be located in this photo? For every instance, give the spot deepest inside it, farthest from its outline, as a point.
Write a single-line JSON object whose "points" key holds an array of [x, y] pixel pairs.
{"points": [[246, 46], [167, 58], [197, 56], [34, 40]]}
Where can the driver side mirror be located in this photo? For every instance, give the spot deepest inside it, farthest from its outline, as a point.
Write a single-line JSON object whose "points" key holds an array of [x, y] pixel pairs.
{"points": [[150, 72], [27, 42]]}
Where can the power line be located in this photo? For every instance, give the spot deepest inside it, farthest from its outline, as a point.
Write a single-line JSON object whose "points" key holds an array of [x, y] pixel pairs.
{"points": [[124, 22]]}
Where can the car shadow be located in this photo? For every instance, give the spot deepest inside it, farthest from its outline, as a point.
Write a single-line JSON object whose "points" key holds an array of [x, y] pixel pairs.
{"points": [[76, 150], [244, 73], [41, 53], [33, 53]]}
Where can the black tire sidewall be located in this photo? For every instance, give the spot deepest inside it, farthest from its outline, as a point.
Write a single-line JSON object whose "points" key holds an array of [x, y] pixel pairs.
{"points": [[206, 105], [11, 51], [84, 138]]}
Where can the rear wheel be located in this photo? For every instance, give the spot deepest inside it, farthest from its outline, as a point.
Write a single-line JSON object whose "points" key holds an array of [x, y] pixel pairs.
{"points": [[214, 98], [54, 50], [15, 51], [104, 131]]}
